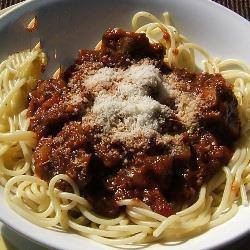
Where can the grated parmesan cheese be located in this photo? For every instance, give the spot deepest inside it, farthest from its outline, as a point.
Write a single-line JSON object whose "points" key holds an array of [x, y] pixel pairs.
{"points": [[104, 75], [144, 75], [124, 106], [129, 110], [75, 99]]}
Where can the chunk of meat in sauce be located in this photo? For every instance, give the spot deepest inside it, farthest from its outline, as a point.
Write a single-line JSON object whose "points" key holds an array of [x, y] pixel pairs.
{"points": [[206, 156], [51, 106], [146, 179], [219, 110], [120, 48], [64, 154]]}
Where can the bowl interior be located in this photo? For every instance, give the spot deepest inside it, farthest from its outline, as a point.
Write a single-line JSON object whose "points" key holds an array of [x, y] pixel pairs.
{"points": [[66, 26]]}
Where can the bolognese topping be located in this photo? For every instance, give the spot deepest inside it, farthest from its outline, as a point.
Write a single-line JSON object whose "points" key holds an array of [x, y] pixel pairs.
{"points": [[122, 124]]}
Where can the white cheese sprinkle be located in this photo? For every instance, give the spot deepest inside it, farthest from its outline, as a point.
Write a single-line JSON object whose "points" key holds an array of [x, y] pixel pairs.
{"points": [[125, 105]]}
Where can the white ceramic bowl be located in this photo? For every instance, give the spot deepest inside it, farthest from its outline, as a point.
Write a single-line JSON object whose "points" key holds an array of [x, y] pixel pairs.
{"points": [[68, 25]]}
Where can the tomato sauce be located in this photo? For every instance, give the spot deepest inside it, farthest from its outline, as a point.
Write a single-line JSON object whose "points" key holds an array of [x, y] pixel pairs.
{"points": [[108, 170]]}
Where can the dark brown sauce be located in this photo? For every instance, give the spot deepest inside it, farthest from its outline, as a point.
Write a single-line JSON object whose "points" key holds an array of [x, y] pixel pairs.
{"points": [[106, 170]]}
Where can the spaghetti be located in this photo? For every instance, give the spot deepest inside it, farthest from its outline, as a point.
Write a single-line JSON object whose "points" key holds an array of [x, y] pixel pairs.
{"points": [[45, 205]]}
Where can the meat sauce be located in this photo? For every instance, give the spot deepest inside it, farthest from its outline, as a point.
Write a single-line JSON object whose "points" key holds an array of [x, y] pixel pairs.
{"points": [[107, 170]]}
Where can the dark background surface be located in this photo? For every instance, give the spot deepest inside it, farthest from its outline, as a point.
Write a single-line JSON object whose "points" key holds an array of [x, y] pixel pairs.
{"points": [[241, 7]]}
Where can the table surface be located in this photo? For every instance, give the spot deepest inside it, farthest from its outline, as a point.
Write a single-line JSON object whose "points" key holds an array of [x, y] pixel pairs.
{"points": [[10, 240]]}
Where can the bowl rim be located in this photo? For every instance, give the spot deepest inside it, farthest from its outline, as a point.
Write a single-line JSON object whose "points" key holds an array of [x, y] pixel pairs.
{"points": [[7, 13], [21, 5]]}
